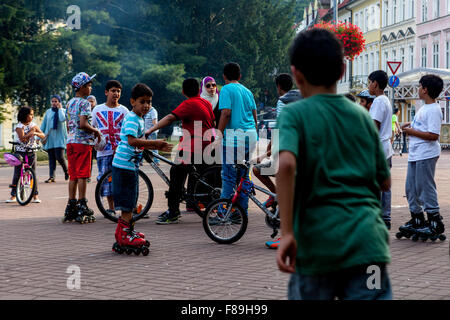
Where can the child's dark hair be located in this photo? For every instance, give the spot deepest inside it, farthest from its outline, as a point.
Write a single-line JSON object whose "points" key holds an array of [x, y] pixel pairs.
{"points": [[395, 111], [318, 55], [284, 80], [113, 84], [350, 97], [433, 84], [23, 113], [140, 90], [380, 77], [232, 71], [191, 87]]}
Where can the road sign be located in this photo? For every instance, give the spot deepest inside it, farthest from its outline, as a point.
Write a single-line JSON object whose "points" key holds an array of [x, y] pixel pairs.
{"points": [[394, 81], [394, 65]]}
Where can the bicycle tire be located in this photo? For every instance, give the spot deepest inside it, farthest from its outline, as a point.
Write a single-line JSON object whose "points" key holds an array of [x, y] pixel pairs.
{"points": [[146, 201], [212, 229], [213, 177], [29, 177]]}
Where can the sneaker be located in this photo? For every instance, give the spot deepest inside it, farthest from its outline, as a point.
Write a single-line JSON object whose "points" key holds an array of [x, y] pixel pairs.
{"points": [[37, 201], [167, 220], [12, 200], [66, 176], [388, 224], [273, 244], [168, 217], [49, 180]]}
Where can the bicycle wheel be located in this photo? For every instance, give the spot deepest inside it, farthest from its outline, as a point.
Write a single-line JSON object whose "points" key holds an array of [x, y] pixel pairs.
{"points": [[223, 222], [26, 187], [207, 189], [105, 201]]}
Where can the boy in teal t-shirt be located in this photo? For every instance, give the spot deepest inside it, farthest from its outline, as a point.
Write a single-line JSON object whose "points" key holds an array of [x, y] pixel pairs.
{"points": [[333, 235]]}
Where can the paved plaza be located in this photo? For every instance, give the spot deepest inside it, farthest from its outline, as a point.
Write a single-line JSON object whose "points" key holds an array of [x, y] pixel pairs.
{"points": [[39, 254]]}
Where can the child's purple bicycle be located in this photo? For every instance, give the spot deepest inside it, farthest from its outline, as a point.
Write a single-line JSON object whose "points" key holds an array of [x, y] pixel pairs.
{"points": [[26, 186]]}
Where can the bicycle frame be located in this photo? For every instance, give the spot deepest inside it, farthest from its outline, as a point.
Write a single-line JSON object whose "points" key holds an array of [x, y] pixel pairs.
{"points": [[163, 176], [252, 193]]}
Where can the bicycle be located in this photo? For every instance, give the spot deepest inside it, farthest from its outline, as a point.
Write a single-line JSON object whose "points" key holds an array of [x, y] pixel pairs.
{"points": [[225, 221], [208, 186], [27, 184], [397, 143]]}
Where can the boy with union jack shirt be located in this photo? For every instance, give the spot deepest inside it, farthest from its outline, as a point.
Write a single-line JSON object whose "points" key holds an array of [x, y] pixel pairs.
{"points": [[108, 118]]}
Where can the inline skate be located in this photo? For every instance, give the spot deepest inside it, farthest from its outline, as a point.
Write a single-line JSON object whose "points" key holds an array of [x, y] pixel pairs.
{"points": [[434, 228], [410, 228], [128, 241], [84, 213], [71, 211]]}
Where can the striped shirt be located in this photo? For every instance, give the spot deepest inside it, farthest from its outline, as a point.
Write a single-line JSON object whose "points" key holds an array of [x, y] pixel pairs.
{"points": [[126, 156]]}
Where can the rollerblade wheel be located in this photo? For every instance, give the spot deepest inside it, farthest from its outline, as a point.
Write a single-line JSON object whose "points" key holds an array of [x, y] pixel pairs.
{"points": [[147, 243], [128, 251], [442, 237], [137, 251], [117, 248], [399, 235], [145, 251], [415, 238]]}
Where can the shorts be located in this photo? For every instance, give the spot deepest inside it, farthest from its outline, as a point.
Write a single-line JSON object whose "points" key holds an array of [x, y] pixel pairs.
{"points": [[104, 164], [125, 189], [79, 160]]}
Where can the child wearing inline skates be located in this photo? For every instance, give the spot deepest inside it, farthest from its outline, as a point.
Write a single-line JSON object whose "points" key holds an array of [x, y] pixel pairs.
{"points": [[424, 152], [328, 194], [125, 170], [80, 139]]}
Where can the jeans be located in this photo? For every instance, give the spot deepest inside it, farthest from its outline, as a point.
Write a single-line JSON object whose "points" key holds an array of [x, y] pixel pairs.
{"points": [[232, 174], [386, 198], [421, 187], [56, 154], [125, 188], [357, 283]]}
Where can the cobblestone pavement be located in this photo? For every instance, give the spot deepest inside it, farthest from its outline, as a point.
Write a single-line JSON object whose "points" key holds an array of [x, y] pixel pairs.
{"points": [[38, 252]]}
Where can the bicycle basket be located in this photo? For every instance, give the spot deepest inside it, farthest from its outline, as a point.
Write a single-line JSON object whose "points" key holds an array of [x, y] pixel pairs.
{"points": [[13, 160]]}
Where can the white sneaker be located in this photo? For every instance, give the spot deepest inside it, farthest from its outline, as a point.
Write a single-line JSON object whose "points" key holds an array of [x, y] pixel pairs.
{"points": [[37, 201], [11, 200]]}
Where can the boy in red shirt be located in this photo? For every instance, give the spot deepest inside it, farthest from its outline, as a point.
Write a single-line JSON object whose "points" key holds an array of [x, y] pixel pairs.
{"points": [[190, 111]]}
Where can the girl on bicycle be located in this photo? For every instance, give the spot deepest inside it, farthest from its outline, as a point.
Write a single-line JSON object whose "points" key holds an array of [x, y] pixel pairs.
{"points": [[26, 130]]}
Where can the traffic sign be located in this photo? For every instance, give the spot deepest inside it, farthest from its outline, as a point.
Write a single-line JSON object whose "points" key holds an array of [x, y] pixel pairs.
{"points": [[394, 81], [395, 65]]}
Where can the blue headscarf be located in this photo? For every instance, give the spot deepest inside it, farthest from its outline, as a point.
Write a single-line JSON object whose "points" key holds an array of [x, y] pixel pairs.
{"points": [[55, 112]]}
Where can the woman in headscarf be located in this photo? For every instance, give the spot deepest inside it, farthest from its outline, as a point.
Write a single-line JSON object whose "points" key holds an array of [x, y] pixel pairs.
{"points": [[209, 91], [55, 130]]}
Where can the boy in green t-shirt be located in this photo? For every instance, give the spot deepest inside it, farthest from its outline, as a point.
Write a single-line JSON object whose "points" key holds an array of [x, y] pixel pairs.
{"points": [[334, 240]]}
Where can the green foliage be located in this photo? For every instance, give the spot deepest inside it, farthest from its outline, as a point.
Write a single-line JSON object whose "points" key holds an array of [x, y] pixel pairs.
{"points": [[158, 42]]}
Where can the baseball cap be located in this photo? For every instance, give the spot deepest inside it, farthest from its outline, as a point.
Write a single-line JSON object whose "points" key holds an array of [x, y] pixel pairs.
{"points": [[365, 94], [81, 79]]}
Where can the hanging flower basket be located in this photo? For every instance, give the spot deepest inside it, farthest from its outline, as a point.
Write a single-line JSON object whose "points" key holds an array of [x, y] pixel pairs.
{"points": [[350, 35]]}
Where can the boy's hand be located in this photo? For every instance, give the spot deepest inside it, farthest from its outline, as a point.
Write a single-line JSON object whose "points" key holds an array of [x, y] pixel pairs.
{"points": [[97, 134], [162, 145], [286, 253]]}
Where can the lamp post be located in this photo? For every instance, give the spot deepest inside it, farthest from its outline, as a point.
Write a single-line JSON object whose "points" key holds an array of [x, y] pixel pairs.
{"points": [[335, 11]]}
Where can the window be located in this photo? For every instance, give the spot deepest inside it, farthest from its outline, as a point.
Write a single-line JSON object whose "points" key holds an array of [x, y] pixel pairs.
{"points": [[448, 6], [386, 14], [412, 13], [394, 12], [402, 57], [424, 10], [436, 8], [357, 19], [402, 10], [435, 55], [377, 61], [447, 53], [366, 20], [424, 57], [366, 64], [394, 55], [411, 57], [372, 62]]}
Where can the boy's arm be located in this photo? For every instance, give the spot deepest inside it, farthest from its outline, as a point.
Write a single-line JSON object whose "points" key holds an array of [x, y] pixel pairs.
{"points": [[149, 144], [285, 186], [167, 120], [255, 117], [84, 125], [225, 117], [422, 135]]}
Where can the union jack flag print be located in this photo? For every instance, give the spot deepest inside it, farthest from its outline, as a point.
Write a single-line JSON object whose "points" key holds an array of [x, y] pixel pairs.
{"points": [[109, 124]]}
